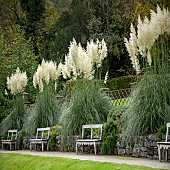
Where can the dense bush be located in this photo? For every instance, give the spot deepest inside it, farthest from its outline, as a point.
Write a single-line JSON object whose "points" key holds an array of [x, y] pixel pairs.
{"points": [[161, 132], [55, 131], [20, 139], [110, 131], [70, 85], [122, 82]]}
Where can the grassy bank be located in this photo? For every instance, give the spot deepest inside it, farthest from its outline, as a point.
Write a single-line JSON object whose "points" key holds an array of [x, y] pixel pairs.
{"points": [[29, 162]]}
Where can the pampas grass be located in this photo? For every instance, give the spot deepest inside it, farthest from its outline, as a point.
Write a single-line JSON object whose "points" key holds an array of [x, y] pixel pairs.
{"points": [[17, 116], [86, 106], [149, 107], [45, 113]]}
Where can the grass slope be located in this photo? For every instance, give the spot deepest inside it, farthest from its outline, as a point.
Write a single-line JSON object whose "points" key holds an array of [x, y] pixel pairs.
{"points": [[29, 162]]}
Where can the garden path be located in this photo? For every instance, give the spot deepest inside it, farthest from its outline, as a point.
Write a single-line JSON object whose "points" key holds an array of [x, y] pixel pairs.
{"points": [[102, 158]]}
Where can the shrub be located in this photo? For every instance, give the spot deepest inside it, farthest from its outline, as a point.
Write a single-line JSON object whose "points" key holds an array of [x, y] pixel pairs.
{"points": [[110, 131], [122, 82], [161, 132], [55, 131], [20, 139], [69, 85]]}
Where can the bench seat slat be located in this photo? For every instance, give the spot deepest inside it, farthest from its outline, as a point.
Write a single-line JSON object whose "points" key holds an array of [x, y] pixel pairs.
{"points": [[88, 140], [8, 141]]}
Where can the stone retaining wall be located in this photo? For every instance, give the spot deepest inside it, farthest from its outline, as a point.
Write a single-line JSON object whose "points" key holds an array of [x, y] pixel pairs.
{"points": [[144, 146]]}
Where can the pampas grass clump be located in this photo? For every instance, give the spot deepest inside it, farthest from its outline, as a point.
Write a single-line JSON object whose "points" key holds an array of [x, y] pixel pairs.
{"points": [[86, 106], [149, 107], [45, 113], [148, 49]]}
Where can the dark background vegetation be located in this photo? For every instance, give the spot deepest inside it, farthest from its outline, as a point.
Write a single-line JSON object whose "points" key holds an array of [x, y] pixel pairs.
{"points": [[31, 30]]}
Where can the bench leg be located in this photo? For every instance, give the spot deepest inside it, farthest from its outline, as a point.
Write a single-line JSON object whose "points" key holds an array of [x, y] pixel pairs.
{"points": [[159, 153], [166, 154], [10, 146], [42, 146], [95, 148], [47, 146], [2, 146], [76, 149]]}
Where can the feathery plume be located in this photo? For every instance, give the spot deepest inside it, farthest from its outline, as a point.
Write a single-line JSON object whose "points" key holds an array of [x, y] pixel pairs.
{"points": [[132, 49], [17, 82], [45, 73], [106, 77]]}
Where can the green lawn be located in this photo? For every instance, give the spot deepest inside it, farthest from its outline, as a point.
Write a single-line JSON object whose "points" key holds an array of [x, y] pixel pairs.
{"points": [[120, 102], [29, 162]]}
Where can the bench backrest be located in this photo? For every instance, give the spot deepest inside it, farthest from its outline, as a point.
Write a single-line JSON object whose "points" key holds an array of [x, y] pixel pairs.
{"points": [[12, 134], [43, 133], [167, 131], [91, 127]]}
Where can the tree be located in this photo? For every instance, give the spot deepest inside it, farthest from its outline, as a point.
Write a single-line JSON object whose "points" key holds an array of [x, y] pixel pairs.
{"points": [[71, 23], [86, 20], [109, 22], [16, 53], [33, 20]]}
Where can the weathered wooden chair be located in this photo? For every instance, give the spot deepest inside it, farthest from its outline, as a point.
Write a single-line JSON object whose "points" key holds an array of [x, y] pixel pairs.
{"points": [[164, 145], [93, 140], [42, 137], [11, 139]]}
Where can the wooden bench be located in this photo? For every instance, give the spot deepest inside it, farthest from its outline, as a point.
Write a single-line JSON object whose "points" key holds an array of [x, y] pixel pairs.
{"points": [[42, 137], [11, 139], [164, 145], [93, 140]]}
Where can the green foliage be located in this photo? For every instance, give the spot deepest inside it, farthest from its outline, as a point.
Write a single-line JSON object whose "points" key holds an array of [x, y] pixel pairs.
{"points": [[33, 21], [122, 82], [71, 23], [86, 20], [110, 131], [149, 107], [5, 105], [143, 8], [45, 113], [108, 20], [54, 132], [161, 132], [20, 139], [69, 85], [18, 53], [87, 106]]}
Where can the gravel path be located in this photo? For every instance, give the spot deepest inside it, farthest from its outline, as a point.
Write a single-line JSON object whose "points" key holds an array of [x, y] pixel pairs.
{"points": [[101, 158]]}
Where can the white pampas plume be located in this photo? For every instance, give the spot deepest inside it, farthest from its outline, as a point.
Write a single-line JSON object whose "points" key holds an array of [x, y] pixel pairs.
{"points": [[17, 82], [106, 77]]}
